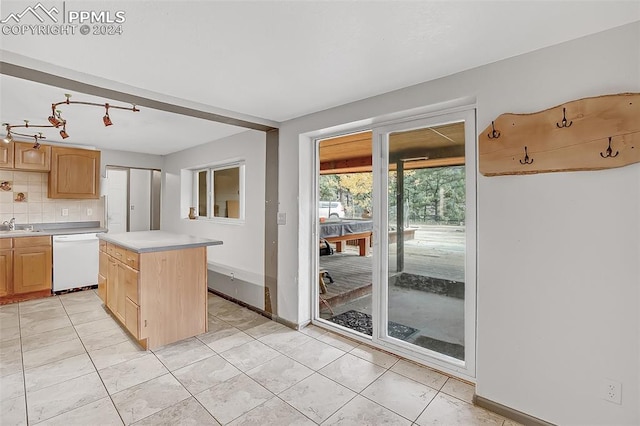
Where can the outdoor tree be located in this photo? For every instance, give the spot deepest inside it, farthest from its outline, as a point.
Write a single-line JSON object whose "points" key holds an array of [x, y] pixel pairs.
{"points": [[436, 194], [430, 194]]}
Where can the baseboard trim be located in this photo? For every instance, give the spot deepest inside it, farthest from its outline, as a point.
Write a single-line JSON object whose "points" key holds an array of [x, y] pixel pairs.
{"points": [[509, 413], [262, 312]]}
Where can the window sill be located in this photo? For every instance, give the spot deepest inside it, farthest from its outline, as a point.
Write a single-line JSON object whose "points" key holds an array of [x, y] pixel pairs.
{"points": [[219, 220]]}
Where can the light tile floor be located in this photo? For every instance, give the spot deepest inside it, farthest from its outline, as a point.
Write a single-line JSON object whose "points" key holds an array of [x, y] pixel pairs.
{"points": [[65, 361]]}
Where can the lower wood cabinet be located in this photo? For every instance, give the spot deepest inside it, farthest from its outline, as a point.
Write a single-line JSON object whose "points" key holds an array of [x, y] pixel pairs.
{"points": [[132, 317], [25, 265], [120, 285], [160, 297], [102, 275], [31, 269], [6, 272]]}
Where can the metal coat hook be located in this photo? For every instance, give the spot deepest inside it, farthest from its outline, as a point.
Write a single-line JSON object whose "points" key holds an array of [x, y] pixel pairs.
{"points": [[564, 120], [526, 159], [609, 151], [494, 134]]}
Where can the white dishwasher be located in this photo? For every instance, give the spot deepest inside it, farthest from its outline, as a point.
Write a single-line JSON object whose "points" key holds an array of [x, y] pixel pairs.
{"points": [[75, 261]]}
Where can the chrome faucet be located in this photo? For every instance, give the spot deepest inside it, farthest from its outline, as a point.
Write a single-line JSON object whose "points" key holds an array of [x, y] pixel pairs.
{"points": [[11, 224]]}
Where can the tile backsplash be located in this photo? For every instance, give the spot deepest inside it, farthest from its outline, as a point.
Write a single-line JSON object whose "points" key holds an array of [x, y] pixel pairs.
{"points": [[27, 201]]}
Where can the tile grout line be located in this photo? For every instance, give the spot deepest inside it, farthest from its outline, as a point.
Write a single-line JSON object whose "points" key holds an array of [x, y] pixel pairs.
{"points": [[273, 394], [94, 366], [24, 378]]}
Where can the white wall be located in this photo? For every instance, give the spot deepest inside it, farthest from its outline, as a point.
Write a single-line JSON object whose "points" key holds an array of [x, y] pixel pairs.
{"points": [[242, 252], [111, 157], [558, 254]]}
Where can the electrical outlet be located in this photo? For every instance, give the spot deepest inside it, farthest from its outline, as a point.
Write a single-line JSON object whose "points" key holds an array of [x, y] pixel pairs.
{"points": [[89, 212], [612, 391], [233, 276], [65, 212]]}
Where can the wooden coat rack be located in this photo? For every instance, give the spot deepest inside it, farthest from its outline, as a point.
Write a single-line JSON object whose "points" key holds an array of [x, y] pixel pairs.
{"points": [[588, 134]]}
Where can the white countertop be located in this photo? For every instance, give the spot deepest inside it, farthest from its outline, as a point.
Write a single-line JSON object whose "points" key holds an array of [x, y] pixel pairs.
{"points": [[151, 241]]}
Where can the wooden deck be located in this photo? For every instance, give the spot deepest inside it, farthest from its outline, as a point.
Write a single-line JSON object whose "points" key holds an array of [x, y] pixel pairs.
{"points": [[435, 251], [351, 274]]}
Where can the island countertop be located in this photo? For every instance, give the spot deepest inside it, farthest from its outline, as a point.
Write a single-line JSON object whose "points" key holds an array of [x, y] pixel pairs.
{"points": [[153, 241]]}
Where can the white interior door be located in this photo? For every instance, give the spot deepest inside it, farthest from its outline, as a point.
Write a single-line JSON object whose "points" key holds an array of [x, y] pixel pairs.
{"points": [[139, 200], [117, 194]]}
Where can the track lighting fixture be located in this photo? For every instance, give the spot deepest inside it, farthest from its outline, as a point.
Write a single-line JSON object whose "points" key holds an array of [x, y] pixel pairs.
{"points": [[56, 119], [9, 137]]}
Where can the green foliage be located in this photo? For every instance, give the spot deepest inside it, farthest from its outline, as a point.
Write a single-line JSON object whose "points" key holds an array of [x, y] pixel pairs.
{"points": [[430, 195], [436, 194]]}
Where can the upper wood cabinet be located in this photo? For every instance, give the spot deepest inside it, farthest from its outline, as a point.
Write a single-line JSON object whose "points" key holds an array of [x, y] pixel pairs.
{"points": [[26, 157], [75, 173], [6, 155]]}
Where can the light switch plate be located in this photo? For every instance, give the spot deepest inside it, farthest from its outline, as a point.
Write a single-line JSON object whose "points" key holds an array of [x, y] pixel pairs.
{"points": [[282, 218]]}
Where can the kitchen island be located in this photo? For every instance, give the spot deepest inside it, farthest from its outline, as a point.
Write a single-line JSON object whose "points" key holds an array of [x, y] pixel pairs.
{"points": [[155, 284]]}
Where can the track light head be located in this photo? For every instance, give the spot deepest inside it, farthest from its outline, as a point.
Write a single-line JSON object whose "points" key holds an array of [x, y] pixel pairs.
{"points": [[54, 121], [106, 120]]}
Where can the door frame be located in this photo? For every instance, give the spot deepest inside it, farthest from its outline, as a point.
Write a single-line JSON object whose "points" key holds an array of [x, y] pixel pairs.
{"points": [[466, 108], [465, 368]]}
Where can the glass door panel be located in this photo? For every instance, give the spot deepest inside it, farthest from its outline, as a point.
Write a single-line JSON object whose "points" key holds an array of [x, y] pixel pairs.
{"points": [[427, 278], [345, 228]]}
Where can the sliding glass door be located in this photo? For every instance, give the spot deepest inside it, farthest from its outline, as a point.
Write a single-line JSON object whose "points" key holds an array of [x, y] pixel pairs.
{"points": [[420, 244]]}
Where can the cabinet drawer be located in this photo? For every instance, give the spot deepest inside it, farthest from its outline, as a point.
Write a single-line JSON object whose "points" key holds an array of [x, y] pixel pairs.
{"points": [[6, 243], [111, 249], [119, 253], [103, 245], [44, 240], [132, 317], [131, 259], [130, 283]]}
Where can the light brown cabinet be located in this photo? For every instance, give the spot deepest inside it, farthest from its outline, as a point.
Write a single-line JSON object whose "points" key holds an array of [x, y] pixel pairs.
{"points": [[6, 155], [121, 285], [160, 297], [102, 274], [25, 265], [6, 272], [75, 173], [26, 157], [23, 156]]}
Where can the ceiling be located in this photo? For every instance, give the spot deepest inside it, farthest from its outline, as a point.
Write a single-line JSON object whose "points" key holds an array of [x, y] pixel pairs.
{"points": [[420, 148], [274, 60]]}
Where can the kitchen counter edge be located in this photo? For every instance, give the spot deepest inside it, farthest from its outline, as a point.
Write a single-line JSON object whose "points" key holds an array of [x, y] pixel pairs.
{"points": [[53, 232], [130, 243]]}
